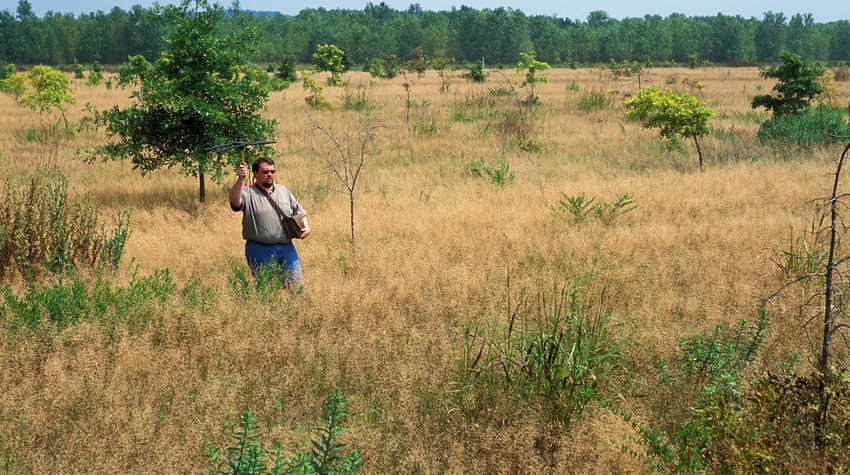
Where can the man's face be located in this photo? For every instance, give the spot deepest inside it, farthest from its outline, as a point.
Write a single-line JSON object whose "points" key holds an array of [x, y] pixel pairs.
{"points": [[265, 174]]}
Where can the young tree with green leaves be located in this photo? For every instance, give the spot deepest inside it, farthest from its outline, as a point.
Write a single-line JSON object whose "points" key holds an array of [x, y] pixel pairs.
{"points": [[95, 74], [203, 91], [331, 59], [798, 84], [672, 113], [531, 67], [41, 89]]}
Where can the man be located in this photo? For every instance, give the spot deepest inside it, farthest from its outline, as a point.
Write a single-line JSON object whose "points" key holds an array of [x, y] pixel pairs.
{"points": [[266, 243]]}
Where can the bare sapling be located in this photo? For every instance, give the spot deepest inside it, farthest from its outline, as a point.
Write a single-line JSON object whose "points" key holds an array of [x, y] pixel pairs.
{"points": [[829, 270], [343, 157]]}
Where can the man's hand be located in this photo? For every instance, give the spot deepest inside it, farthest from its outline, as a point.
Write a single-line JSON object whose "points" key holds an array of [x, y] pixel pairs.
{"points": [[305, 229]]}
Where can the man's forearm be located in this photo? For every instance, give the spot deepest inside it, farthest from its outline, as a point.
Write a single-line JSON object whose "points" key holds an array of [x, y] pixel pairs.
{"points": [[235, 194]]}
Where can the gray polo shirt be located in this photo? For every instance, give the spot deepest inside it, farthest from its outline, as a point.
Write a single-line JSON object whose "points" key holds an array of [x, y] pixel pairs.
{"points": [[260, 221]]}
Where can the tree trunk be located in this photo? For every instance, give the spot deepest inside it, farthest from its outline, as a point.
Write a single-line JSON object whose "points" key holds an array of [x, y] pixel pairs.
{"points": [[351, 202], [699, 153], [202, 189]]}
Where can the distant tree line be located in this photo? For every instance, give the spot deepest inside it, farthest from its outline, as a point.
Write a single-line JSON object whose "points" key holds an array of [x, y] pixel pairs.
{"points": [[495, 36]]}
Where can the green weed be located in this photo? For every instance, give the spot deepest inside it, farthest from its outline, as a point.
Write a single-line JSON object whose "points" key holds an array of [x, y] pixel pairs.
{"points": [[816, 126], [578, 209], [46, 229], [247, 455], [594, 101], [71, 300], [702, 394], [358, 99], [262, 287], [499, 171], [554, 356]]}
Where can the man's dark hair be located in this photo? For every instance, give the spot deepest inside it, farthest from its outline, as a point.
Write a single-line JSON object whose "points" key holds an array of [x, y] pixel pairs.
{"points": [[256, 165]]}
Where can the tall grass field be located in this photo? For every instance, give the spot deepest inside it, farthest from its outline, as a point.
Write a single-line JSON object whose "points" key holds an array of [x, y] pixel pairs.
{"points": [[519, 270]]}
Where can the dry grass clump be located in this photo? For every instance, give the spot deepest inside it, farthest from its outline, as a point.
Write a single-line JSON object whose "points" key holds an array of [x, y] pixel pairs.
{"points": [[437, 247]]}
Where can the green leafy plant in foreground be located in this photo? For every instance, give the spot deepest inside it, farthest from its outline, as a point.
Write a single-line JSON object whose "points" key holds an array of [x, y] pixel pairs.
{"points": [[71, 299], [702, 396], [717, 416], [247, 455]]}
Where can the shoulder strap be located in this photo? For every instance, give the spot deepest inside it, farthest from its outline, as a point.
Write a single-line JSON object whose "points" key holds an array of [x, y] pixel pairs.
{"points": [[274, 205]]}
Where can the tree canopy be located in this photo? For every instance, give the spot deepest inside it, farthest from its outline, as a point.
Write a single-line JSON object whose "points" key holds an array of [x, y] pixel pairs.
{"points": [[798, 83], [496, 36], [673, 114], [200, 93], [41, 89]]}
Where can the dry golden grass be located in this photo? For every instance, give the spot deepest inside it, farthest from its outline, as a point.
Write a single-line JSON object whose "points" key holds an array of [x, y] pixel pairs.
{"points": [[435, 248]]}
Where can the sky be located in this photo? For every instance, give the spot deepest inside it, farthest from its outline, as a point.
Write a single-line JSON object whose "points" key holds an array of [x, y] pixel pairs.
{"points": [[823, 11]]}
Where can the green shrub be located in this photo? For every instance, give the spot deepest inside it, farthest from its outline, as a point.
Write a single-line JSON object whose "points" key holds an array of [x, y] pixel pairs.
{"points": [[474, 72], [314, 97], [6, 71], [715, 419], [263, 287], [501, 91], [44, 228], [287, 70], [426, 126], [358, 99], [478, 107], [95, 74], [72, 299], [384, 68], [701, 395], [814, 126]]}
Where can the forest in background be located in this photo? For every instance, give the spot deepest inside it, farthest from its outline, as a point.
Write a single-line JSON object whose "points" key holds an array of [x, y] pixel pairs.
{"points": [[495, 36]]}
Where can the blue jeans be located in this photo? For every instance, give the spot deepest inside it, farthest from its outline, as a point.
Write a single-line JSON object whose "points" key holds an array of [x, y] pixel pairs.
{"points": [[283, 255]]}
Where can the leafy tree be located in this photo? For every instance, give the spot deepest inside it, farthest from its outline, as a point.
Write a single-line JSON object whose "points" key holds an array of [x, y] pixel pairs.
{"points": [[672, 113], [770, 36], [202, 92], [329, 58], [79, 70], [418, 63], [287, 71], [41, 89], [475, 72], [314, 97], [531, 66], [95, 75], [798, 83]]}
